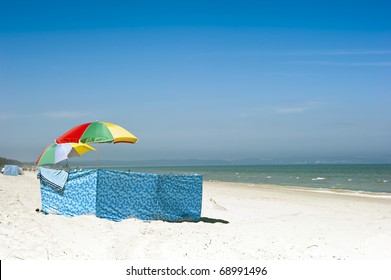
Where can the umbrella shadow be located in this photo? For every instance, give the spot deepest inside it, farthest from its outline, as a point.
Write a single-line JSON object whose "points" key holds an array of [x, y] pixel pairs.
{"points": [[204, 220], [213, 221]]}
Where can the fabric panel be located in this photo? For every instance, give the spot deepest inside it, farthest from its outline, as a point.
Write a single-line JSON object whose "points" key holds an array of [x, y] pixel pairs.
{"points": [[122, 195], [118, 195], [77, 198]]}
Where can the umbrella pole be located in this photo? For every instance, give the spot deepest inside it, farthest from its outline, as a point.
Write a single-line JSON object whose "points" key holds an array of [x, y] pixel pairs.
{"points": [[97, 156]]}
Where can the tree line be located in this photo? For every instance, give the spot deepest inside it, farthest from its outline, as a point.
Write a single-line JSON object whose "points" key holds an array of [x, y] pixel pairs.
{"points": [[4, 161]]}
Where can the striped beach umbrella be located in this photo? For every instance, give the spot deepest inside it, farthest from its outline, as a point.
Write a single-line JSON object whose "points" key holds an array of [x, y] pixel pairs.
{"points": [[97, 132], [55, 153]]}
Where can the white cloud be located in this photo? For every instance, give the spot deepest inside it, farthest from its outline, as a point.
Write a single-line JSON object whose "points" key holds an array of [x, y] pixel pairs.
{"points": [[299, 108], [282, 109], [51, 115], [65, 115], [338, 52], [292, 110], [7, 116], [306, 53], [333, 63], [380, 58]]}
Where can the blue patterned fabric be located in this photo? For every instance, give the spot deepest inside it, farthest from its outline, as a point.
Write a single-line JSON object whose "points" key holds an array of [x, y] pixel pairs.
{"points": [[179, 197], [118, 195], [123, 194], [77, 198]]}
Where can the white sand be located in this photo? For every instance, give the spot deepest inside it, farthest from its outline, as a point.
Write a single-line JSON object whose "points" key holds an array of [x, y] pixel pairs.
{"points": [[264, 222]]}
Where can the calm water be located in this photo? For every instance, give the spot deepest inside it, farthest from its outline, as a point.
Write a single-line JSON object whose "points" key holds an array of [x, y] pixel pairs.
{"points": [[372, 178]]}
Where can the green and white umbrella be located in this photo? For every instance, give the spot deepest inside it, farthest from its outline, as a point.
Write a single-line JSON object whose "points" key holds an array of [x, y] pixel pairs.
{"points": [[55, 153]]}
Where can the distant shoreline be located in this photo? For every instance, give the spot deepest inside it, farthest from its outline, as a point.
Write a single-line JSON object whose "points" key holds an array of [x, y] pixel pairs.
{"points": [[373, 178], [366, 194]]}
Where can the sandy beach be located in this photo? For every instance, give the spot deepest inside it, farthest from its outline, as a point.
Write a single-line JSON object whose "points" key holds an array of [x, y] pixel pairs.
{"points": [[239, 222]]}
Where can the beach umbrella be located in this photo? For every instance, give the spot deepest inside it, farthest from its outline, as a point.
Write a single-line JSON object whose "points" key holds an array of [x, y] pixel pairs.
{"points": [[55, 153], [97, 132]]}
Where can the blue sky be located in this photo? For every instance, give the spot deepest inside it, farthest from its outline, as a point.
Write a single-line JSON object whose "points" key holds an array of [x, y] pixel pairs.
{"points": [[199, 79]]}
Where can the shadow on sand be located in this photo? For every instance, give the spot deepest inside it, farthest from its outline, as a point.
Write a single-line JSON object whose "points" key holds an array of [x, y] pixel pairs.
{"points": [[205, 220], [213, 221]]}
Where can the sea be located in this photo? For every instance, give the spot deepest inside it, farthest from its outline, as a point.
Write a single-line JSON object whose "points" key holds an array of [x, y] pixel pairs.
{"points": [[353, 177]]}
